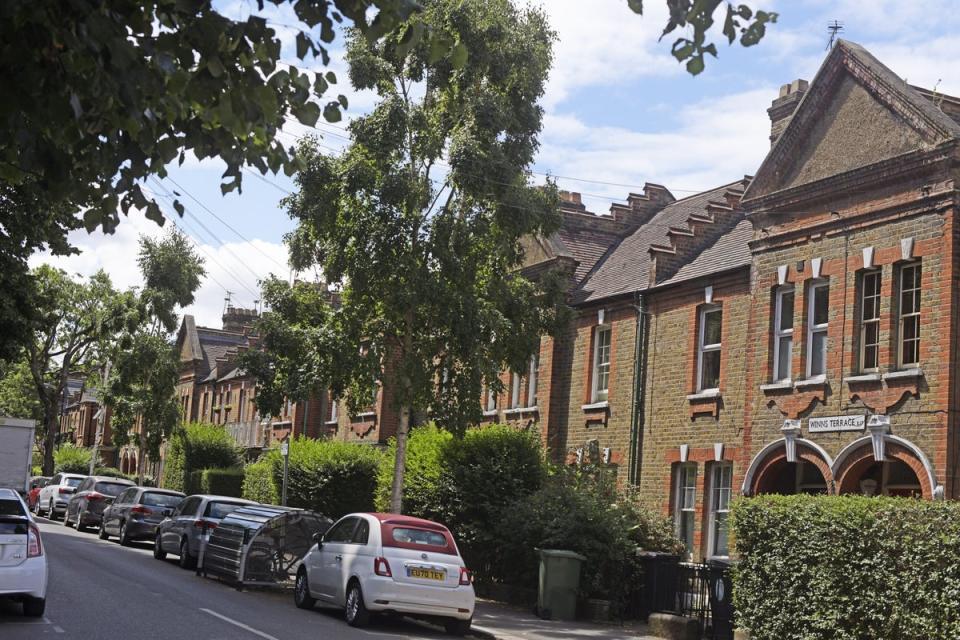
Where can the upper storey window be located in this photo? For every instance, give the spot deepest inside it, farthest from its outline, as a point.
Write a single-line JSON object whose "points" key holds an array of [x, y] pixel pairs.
{"points": [[708, 348], [818, 305], [909, 312]]}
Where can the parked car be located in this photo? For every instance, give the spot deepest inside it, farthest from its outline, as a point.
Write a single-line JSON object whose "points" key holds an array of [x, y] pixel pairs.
{"points": [[380, 562], [136, 512], [55, 495], [92, 496], [23, 565], [190, 523], [33, 496]]}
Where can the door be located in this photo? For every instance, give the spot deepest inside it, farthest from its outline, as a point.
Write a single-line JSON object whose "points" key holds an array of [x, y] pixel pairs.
{"points": [[116, 512], [173, 528], [354, 559], [329, 559]]}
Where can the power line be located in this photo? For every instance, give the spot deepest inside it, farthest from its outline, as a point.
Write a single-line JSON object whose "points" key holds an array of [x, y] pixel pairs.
{"points": [[227, 225]]}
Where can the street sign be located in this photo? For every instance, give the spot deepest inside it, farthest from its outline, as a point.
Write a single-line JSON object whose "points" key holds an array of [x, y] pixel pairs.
{"points": [[285, 448], [837, 423]]}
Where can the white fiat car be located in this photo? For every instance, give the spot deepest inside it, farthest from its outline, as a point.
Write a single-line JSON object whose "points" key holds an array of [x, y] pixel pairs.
{"points": [[23, 565], [381, 562]]}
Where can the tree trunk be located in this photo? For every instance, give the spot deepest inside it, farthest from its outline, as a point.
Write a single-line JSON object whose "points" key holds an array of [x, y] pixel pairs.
{"points": [[400, 462], [52, 418], [140, 457]]}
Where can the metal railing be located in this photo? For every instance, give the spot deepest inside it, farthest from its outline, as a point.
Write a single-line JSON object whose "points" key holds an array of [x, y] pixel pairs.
{"points": [[702, 591], [248, 434]]}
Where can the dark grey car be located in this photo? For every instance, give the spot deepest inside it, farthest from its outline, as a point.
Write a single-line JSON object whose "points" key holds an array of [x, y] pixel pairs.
{"points": [[93, 495], [190, 523], [136, 512]]}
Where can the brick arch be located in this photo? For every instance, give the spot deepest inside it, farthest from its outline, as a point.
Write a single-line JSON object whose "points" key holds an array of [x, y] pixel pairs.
{"points": [[850, 468], [775, 454]]}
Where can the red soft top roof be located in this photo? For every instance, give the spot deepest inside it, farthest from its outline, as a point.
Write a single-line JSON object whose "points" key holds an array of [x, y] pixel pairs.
{"points": [[398, 519]]}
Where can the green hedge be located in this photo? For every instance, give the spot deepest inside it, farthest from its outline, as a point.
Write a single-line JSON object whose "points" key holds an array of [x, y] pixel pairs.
{"points": [[195, 447], [847, 568], [258, 483], [332, 478], [113, 472], [69, 458], [423, 493]]}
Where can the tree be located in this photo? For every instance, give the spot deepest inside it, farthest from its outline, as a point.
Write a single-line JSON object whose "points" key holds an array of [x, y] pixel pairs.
{"points": [[142, 390], [18, 396], [421, 217], [74, 318]]}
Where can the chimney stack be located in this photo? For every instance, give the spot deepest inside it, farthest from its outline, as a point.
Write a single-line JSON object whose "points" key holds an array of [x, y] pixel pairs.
{"points": [[783, 108], [239, 320]]}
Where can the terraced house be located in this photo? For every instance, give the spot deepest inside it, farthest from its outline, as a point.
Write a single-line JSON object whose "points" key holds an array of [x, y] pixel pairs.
{"points": [[790, 332]]}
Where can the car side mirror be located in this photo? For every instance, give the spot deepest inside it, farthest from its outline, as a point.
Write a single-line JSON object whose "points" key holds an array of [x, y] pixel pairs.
{"points": [[318, 539]]}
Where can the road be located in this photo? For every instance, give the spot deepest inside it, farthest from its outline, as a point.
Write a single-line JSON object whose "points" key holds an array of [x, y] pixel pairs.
{"points": [[100, 590]]}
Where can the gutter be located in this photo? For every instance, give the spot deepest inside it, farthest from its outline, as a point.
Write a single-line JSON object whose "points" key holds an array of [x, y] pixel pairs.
{"points": [[639, 388]]}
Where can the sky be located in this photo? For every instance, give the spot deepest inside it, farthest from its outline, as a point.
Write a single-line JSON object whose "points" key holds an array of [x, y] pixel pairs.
{"points": [[619, 112]]}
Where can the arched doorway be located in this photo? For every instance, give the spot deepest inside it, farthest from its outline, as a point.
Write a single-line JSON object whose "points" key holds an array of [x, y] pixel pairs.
{"points": [[771, 471], [904, 470]]}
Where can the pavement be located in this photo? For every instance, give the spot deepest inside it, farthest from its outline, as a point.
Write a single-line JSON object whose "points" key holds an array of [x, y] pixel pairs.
{"points": [[503, 622]]}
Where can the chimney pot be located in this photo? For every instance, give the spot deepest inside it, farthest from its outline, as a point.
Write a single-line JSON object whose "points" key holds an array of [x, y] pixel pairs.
{"points": [[783, 108]]}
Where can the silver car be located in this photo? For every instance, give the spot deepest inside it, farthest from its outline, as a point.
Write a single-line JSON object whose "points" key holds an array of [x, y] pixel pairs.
{"points": [[56, 494], [190, 524]]}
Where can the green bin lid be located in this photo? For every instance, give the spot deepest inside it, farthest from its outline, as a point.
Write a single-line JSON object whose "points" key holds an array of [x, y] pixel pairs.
{"points": [[561, 553]]}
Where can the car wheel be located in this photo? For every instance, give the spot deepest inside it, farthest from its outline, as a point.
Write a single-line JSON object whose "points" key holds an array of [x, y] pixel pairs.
{"points": [[34, 607], [102, 533], [356, 612], [122, 534], [158, 551], [456, 627], [301, 591], [51, 514], [187, 561], [66, 517], [79, 523]]}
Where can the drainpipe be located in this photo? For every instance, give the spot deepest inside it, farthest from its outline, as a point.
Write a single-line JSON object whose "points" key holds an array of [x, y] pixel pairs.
{"points": [[639, 389]]}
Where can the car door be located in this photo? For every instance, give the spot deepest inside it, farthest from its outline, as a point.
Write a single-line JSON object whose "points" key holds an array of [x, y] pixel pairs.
{"points": [[328, 567], [174, 527], [354, 558], [46, 492], [73, 503], [117, 511]]}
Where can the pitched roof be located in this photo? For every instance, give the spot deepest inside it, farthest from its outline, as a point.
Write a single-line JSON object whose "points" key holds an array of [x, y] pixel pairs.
{"points": [[626, 269], [731, 250], [586, 247], [215, 343]]}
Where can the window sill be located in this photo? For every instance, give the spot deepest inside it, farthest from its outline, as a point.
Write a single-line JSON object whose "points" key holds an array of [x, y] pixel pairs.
{"points": [[490, 414], [816, 381], [915, 372], [596, 406], [864, 377], [781, 385], [706, 394], [366, 415], [516, 410], [332, 423]]}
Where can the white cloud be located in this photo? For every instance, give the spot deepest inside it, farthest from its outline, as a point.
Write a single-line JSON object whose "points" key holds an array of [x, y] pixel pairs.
{"points": [[713, 142], [235, 267]]}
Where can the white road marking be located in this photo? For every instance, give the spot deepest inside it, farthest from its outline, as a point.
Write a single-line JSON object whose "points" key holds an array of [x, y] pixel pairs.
{"points": [[239, 624], [46, 620]]}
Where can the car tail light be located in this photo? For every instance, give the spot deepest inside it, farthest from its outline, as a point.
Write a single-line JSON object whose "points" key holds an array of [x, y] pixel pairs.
{"points": [[465, 578], [205, 525], [381, 567], [140, 509], [93, 496], [34, 547], [65, 490]]}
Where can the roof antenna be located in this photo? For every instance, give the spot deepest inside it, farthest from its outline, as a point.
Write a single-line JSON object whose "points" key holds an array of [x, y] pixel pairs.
{"points": [[834, 28], [226, 301]]}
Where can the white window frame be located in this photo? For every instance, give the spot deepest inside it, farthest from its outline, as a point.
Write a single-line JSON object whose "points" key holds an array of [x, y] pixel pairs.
{"points": [[707, 348], [903, 268], [490, 406], [779, 334], [685, 500], [333, 415], [873, 321], [720, 497], [515, 387], [815, 329], [533, 379], [598, 394]]}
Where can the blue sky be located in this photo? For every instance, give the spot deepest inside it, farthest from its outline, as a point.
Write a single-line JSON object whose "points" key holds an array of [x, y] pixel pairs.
{"points": [[619, 109]]}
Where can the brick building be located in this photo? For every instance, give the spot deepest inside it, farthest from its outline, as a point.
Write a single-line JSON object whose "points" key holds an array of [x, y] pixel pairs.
{"points": [[791, 332], [78, 424]]}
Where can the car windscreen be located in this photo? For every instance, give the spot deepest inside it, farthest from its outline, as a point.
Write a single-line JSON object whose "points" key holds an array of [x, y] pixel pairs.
{"points": [[156, 499], [10, 507], [110, 488], [221, 509], [72, 482], [423, 537]]}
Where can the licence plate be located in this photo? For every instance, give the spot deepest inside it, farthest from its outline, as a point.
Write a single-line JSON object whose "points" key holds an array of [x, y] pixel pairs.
{"points": [[426, 573]]}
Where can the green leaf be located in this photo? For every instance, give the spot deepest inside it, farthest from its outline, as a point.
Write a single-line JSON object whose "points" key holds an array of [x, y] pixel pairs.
{"points": [[458, 57], [307, 113], [636, 6], [331, 77], [91, 220], [303, 45], [695, 65], [179, 207], [331, 112]]}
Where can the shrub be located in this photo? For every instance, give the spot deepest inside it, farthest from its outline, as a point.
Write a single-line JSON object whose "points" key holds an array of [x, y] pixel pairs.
{"points": [[330, 477], [222, 482], [69, 458], [113, 472], [195, 447], [423, 476], [582, 511], [847, 568], [258, 483]]}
